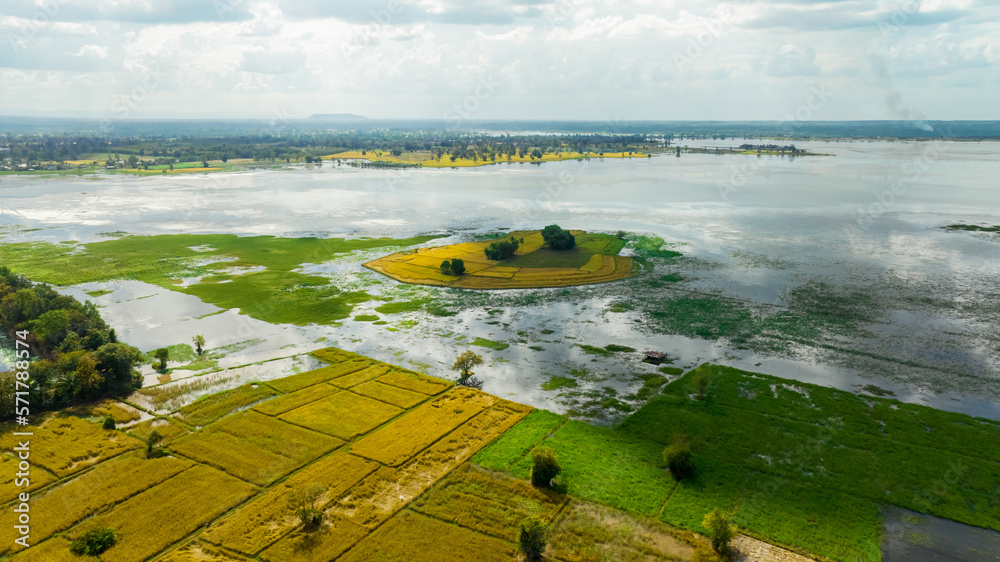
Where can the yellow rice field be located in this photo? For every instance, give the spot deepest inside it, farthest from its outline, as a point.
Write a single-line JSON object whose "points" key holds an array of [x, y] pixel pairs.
{"points": [[391, 394], [95, 491], [344, 415], [255, 447], [166, 427], [297, 399], [216, 406], [155, 519], [323, 374], [65, 444], [422, 266], [266, 519], [8, 473], [201, 551], [416, 382], [399, 441], [358, 377], [417, 538]]}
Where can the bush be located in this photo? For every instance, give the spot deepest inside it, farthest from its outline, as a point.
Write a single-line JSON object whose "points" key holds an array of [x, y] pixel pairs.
{"points": [[532, 537], [679, 460], [557, 238], [503, 250], [304, 505], [544, 467], [153, 450], [94, 542], [446, 267], [719, 524], [109, 422], [457, 267]]}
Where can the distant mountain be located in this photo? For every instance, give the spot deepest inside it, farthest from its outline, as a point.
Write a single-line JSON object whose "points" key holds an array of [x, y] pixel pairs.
{"points": [[337, 117]]}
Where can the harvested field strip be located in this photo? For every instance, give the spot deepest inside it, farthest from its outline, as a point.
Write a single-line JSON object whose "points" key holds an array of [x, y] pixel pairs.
{"points": [[328, 542], [65, 445], [415, 381], [95, 491], [349, 380], [488, 502], [8, 491], [345, 415], [166, 427], [324, 374], [173, 509], [255, 447], [201, 551], [418, 538], [299, 398], [394, 395], [503, 453], [266, 519], [215, 406], [587, 532], [399, 441], [388, 490]]}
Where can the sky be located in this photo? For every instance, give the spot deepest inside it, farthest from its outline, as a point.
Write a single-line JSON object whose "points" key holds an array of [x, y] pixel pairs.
{"points": [[502, 59]]}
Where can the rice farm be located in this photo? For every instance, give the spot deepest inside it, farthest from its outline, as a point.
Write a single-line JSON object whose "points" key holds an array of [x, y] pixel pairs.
{"points": [[593, 260]]}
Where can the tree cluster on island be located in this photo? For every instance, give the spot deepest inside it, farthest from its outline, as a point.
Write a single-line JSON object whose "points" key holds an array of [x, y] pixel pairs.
{"points": [[453, 267], [503, 249], [557, 238], [78, 356]]}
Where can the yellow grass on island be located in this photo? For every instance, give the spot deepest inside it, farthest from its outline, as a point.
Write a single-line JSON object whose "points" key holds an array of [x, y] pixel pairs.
{"points": [[429, 160], [593, 260]]}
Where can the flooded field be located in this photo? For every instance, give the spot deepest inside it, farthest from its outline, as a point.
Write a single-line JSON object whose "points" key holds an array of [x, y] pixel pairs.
{"points": [[832, 270]]}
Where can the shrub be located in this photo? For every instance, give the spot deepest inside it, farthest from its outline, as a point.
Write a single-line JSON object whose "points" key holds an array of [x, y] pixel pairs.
{"points": [[153, 450], [109, 422], [532, 537], [700, 383], [457, 267], [503, 250], [94, 542], [678, 459], [544, 467], [304, 505], [446, 267], [557, 238], [719, 524]]}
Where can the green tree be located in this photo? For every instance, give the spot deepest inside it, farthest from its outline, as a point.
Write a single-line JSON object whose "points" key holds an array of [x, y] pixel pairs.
{"points": [[466, 361], [458, 267], [678, 458], [544, 467], [304, 505], [719, 525], [109, 422], [199, 343], [532, 536], [557, 238], [446, 267], [162, 355], [153, 449], [94, 542], [700, 383]]}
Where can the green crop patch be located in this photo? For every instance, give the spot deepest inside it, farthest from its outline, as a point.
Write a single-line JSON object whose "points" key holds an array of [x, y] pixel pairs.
{"points": [[490, 344], [344, 415], [255, 447], [214, 407], [606, 467], [394, 395], [516, 442]]}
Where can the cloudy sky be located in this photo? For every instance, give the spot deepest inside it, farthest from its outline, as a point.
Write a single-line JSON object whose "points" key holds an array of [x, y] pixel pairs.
{"points": [[499, 59]]}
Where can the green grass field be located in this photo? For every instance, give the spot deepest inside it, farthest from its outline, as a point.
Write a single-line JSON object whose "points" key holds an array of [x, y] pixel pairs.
{"points": [[803, 466]]}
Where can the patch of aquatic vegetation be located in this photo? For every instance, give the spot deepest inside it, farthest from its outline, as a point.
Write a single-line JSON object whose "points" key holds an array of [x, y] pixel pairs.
{"points": [[273, 291], [755, 260], [972, 228]]}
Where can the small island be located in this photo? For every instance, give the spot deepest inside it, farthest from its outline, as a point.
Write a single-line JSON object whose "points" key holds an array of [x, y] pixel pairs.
{"points": [[552, 257]]}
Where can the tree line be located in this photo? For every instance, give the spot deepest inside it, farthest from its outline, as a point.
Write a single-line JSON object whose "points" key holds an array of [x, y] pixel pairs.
{"points": [[77, 356]]}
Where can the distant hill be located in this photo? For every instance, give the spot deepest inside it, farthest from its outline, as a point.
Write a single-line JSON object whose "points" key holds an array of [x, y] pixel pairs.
{"points": [[337, 117]]}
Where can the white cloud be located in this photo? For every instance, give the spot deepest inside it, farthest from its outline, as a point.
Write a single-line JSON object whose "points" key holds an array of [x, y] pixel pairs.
{"points": [[93, 52]]}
